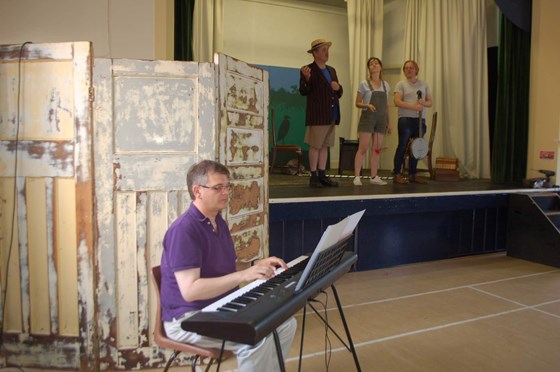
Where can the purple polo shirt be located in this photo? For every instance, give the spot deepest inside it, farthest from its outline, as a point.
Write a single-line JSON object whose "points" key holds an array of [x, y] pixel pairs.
{"points": [[191, 243]]}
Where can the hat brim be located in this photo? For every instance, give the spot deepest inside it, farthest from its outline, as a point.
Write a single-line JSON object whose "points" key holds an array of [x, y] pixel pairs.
{"points": [[328, 43]]}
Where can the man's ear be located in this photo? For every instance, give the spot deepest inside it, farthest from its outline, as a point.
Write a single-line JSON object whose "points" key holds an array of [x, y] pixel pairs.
{"points": [[196, 191]]}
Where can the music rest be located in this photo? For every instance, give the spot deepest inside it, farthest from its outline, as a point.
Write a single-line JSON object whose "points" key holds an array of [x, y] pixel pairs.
{"points": [[321, 262]]}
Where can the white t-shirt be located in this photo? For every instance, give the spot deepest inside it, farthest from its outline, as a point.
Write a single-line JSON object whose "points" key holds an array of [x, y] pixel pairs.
{"points": [[365, 90], [409, 94]]}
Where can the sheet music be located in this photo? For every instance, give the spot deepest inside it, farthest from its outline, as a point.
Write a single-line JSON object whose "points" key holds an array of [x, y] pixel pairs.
{"points": [[352, 222], [335, 233], [330, 236]]}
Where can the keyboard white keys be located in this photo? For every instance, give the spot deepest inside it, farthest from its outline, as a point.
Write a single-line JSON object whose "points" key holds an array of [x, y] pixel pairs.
{"points": [[246, 288]]}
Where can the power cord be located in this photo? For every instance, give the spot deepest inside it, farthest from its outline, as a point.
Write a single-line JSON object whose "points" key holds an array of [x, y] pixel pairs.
{"points": [[4, 286], [328, 345]]}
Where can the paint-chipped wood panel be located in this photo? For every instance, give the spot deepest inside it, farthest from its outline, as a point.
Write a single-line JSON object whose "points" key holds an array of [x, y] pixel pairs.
{"points": [[47, 116], [10, 257], [243, 110], [154, 119], [38, 257], [126, 256], [46, 131], [152, 171], [66, 265], [144, 124]]}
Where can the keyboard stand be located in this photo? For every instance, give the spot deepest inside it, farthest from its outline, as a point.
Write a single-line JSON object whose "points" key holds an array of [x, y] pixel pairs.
{"points": [[349, 346], [278, 353]]}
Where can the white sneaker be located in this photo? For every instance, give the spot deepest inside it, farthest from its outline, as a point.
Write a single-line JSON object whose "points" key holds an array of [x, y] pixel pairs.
{"points": [[357, 181], [377, 181]]}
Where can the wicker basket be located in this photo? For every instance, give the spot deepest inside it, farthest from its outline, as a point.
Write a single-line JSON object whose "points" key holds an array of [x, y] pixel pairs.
{"points": [[447, 163]]}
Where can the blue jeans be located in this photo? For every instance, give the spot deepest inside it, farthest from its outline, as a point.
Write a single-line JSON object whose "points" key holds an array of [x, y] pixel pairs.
{"points": [[408, 128]]}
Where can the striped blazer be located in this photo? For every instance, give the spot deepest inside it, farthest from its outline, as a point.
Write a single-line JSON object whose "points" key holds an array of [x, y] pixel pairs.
{"points": [[321, 98]]}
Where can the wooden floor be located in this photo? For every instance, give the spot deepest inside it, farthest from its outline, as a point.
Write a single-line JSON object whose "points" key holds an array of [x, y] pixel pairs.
{"points": [[478, 313]]}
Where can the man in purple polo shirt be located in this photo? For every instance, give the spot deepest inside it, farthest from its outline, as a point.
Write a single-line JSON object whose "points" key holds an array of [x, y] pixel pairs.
{"points": [[198, 268]]}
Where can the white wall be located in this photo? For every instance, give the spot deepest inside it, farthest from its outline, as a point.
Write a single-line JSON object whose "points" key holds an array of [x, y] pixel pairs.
{"points": [[117, 28], [544, 110]]}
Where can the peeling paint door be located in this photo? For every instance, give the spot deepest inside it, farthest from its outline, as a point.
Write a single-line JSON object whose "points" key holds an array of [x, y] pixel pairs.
{"points": [[94, 186], [153, 120], [46, 206], [243, 136]]}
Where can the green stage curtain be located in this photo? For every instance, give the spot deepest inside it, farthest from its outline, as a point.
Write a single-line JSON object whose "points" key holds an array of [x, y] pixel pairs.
{"points": [[183, 30], [509, 147]]}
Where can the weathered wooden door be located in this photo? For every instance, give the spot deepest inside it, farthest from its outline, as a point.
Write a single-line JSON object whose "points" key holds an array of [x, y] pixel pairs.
{"points": [[243, 136], [46, 206], [153, 120]]}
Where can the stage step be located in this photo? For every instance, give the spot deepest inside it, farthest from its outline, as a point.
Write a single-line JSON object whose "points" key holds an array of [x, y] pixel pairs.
{"points": [[533, 228]]}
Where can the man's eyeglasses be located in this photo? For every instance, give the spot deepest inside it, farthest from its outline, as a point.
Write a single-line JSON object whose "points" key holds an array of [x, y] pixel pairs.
{"points": [[219, 188]]}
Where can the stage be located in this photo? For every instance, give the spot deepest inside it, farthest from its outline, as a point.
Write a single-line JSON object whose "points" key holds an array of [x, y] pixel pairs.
{"points": [[402, 223], [287, 188]]}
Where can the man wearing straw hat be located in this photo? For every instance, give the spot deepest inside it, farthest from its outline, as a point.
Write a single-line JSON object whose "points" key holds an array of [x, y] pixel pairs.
{"points": [[319, 83]]}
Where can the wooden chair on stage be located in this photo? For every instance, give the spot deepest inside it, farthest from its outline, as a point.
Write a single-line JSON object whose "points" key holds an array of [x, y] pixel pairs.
{"points": [[161, 339], [408, 152], [276, 148]]}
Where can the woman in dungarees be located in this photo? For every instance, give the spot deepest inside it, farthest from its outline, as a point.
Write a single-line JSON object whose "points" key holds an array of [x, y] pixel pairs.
{"points": [[374, 120]]}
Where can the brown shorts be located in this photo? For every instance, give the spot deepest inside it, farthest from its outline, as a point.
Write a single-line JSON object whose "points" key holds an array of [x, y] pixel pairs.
{"points": [[319, 135]]}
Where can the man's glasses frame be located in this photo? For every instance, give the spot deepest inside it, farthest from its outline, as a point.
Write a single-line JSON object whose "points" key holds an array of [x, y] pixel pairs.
{"points": [[219, 188]]}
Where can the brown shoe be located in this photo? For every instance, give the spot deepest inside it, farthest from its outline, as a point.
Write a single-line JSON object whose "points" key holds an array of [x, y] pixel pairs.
{"points": [[416, 179], [399, 179]]}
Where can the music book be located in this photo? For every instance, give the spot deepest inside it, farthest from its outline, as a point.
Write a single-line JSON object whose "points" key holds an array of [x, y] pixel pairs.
{"points": [[329, 250]]}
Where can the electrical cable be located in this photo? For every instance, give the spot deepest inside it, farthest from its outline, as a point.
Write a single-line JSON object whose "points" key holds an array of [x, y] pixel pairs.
{"points": [[328, 344]]}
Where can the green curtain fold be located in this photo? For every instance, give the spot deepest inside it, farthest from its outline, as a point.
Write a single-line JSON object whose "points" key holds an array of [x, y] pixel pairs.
{"points": [[183, 30], [510, 142]]}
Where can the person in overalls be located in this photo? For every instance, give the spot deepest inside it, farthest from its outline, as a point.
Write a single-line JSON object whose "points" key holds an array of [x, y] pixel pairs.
{"points": [[374, 120]]}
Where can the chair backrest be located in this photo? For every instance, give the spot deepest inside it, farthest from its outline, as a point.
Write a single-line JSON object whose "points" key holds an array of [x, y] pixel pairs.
{"points": [[159, 331], [273, 129], [432, 132], [163, 341]]}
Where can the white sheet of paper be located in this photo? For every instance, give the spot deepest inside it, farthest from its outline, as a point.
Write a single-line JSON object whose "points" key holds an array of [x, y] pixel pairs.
{"points": [[335, 233], [352, 222]]}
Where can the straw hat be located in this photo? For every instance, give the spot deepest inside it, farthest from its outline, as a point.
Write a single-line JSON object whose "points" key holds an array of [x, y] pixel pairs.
{"points": [[318, 43]]}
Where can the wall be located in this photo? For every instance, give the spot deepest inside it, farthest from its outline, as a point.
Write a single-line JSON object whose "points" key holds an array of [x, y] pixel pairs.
{"points": [[544, 110], [118, 29]]}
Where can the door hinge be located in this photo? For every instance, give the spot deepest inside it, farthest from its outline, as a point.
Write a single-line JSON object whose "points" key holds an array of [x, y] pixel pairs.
{"points": [[91, 94]]}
